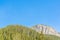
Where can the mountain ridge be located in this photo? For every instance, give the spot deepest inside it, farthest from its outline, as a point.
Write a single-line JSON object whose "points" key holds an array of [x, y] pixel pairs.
{"points": [[18, 32]]}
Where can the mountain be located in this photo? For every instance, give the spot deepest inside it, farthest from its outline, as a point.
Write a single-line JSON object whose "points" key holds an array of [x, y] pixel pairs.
{"points": [[19, 32], [45, 29]]}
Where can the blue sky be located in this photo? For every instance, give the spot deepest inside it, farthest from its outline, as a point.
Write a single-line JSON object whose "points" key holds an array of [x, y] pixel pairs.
{"points": [[30, 12]]}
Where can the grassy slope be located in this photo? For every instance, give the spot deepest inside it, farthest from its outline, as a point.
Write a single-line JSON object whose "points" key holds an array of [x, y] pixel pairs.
{"points": [[16, 32], [51, 37]]}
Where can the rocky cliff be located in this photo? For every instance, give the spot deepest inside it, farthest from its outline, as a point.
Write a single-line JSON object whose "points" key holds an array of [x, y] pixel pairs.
{"points": [[46, 30]]}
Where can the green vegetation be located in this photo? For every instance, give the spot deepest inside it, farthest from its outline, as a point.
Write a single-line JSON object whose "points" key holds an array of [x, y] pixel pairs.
{"points": [[51, 37], [19, 32]]}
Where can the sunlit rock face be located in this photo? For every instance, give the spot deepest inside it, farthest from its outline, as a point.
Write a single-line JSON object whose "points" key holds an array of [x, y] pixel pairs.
{"points": [[46, 30]]}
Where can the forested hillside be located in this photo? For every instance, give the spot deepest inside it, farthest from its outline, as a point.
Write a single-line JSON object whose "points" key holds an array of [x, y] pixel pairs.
{"points": [[19, 32]]}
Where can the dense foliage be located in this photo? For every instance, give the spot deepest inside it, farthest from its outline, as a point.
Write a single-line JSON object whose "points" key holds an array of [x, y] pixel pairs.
{"points": [[18, 32]]}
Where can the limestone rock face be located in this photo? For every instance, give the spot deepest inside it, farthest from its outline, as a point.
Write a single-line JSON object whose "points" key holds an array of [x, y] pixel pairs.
{"points": [[46, 30]]}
